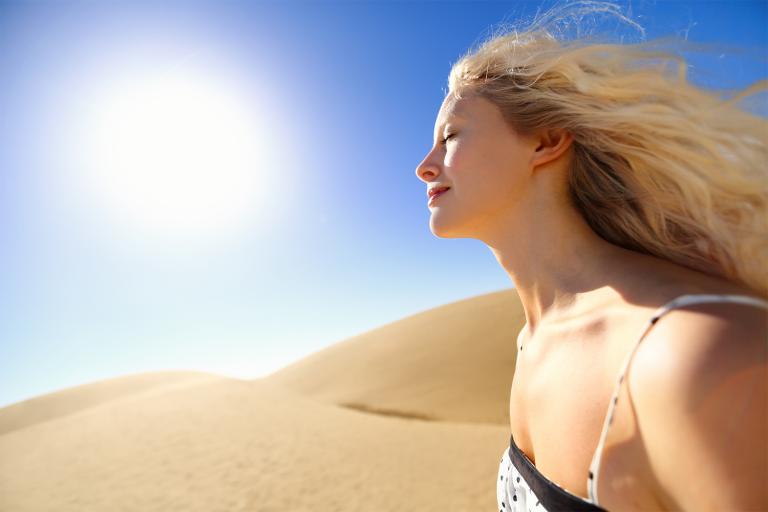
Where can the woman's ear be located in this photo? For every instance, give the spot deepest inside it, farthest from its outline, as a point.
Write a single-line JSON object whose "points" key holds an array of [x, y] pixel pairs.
{"points": [[552, 143]]}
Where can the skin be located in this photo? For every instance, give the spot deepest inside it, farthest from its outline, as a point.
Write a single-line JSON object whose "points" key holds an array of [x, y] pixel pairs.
{"points": [[690, 426]]}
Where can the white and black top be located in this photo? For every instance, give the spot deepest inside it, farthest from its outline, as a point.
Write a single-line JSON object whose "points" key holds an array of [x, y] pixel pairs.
{"points": [[520, 487]]}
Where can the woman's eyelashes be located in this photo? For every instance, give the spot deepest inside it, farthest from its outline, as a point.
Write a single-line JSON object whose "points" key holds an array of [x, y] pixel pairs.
{"points": [[448, 137]]}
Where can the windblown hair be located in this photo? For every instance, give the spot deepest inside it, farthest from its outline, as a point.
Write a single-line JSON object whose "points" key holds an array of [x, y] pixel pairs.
{"points": [[660, 166]]}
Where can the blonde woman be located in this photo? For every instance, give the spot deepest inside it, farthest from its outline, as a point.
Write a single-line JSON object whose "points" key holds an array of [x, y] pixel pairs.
{"points": [[629, 209]]}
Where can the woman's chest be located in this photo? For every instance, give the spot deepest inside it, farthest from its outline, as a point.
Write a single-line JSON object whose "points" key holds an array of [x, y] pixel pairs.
{"points": [[558, 402]]}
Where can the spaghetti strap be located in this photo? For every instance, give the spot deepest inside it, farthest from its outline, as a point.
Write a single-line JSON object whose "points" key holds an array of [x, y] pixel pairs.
{"points": [[684, 300]]}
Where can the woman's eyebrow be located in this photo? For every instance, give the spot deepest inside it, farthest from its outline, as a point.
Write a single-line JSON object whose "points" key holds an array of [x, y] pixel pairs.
{"points": [[448, 119]]}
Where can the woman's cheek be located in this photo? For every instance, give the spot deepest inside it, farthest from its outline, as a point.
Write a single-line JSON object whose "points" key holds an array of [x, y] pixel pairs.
{"points": [[453, 156]]}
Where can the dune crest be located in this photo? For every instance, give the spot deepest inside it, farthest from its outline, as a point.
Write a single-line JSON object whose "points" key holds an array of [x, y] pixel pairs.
{"points": [[451, 363], [72, 400]]}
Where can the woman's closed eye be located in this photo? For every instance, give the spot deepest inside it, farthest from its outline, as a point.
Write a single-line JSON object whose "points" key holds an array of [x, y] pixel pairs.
{"points": [[448, 137]]}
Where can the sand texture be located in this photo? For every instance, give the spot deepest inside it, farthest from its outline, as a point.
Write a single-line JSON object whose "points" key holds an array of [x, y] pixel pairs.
{"points": [[197, 442]]}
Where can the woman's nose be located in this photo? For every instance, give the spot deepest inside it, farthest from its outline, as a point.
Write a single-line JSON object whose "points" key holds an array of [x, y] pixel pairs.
{"points": [[428, 169]]}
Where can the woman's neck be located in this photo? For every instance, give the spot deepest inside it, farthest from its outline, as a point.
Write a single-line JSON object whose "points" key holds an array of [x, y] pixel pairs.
{"points": [[555, 261]]}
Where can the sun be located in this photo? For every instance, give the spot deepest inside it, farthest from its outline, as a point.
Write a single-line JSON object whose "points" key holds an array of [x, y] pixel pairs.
{"points": [[177, 153]]}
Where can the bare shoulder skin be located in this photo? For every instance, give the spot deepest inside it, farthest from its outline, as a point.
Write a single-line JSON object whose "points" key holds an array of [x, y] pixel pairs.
{"points": [[699, 384]]}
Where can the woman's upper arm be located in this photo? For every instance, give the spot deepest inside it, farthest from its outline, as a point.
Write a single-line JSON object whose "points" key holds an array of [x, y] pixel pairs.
{"points": [[700, 387]]}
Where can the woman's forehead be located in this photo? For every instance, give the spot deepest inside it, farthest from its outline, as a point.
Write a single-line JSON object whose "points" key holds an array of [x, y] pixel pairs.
{"points": [[464, 107], [451, 106]]}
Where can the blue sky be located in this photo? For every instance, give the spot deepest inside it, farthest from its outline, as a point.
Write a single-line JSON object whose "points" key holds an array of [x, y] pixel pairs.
{"points": [[330, 240]]}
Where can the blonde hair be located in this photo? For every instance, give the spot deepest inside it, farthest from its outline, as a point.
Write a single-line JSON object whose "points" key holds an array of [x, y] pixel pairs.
{"points": [[660, 166]]}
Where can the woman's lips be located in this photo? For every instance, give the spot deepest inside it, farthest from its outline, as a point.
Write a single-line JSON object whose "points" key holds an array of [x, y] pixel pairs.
{"points": [[433, 198]]}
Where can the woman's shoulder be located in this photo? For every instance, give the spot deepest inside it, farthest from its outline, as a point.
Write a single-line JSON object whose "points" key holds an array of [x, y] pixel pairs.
{"points": [[702, 331], [699, 381], [697, 335]]}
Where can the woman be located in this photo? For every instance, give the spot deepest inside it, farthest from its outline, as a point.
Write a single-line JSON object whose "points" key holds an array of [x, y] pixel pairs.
{"points": [[626, 205]]}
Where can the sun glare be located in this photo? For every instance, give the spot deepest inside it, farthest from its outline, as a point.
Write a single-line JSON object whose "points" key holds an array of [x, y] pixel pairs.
{"points": [[176, 153]]}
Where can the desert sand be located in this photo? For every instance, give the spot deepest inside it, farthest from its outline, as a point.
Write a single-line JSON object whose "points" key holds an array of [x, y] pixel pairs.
{"points": [[411, 416]]}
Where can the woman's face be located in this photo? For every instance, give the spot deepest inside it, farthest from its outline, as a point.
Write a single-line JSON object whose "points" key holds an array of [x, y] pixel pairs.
{"points": [[484, 162]]}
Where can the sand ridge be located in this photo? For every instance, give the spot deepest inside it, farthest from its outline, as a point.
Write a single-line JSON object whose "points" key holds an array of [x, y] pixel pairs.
{"points": [[72, 400], [451, 363]]}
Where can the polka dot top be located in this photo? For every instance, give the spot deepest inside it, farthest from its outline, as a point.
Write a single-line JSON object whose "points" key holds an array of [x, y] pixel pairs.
{"points": [[520, 487]]}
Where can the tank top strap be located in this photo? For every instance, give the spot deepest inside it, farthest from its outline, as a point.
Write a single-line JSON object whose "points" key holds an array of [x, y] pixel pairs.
{"points": [[683, 300]]}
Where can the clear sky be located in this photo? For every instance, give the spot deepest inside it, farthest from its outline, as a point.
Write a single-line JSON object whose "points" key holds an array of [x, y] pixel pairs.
{"points": [[228, 186]]}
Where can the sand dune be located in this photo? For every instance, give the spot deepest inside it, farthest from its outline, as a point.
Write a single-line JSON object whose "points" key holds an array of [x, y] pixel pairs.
{"points": [[72, 400], [451, 363], [186, 441]]}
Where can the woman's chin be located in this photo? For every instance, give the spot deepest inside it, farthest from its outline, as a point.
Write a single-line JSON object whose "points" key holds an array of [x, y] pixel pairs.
{"points": [[442, 229]]}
